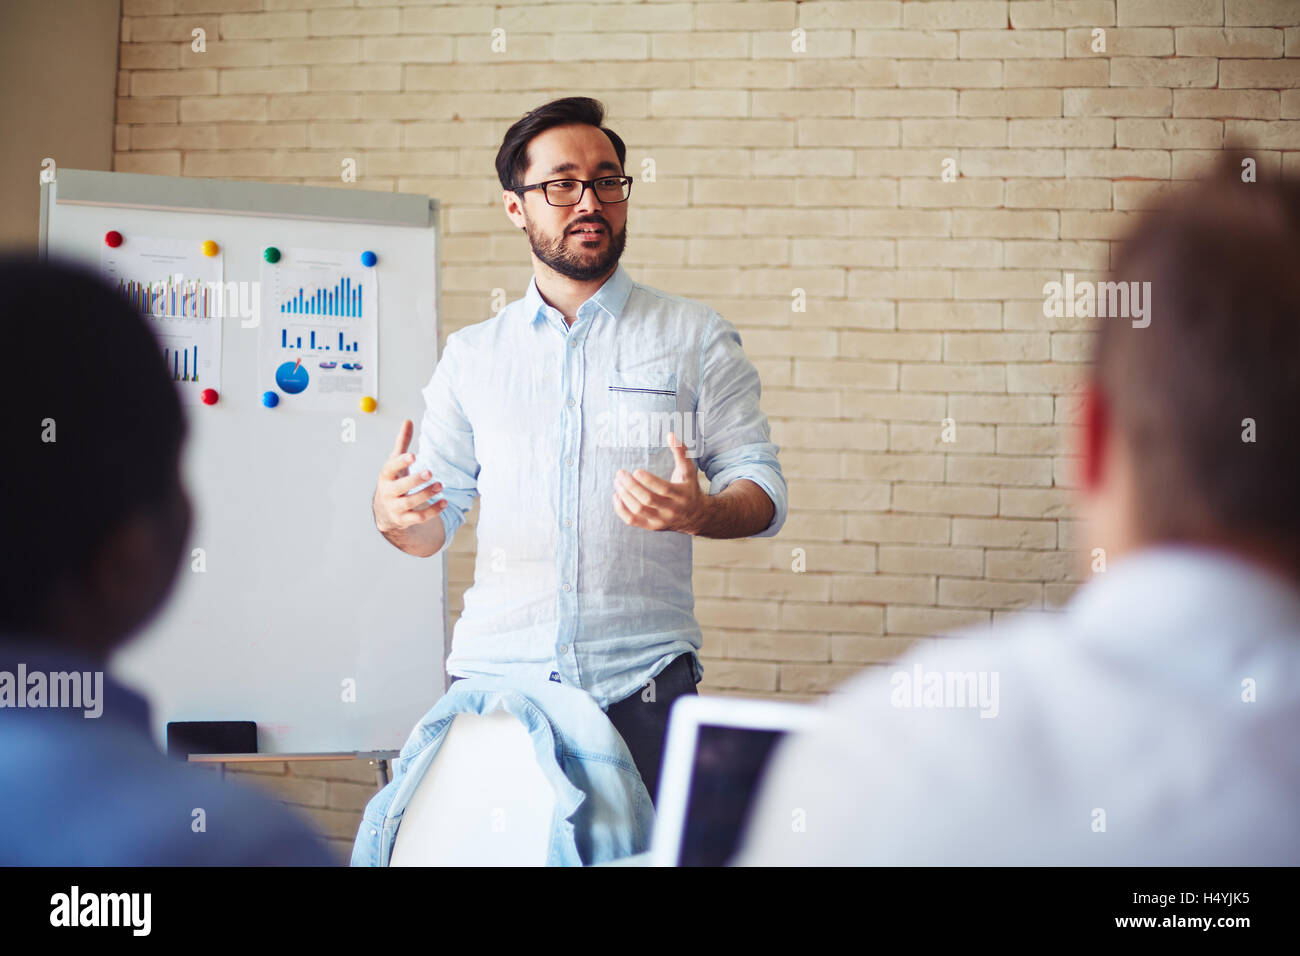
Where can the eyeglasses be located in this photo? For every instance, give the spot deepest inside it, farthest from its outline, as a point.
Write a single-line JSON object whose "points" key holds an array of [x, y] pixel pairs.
{"points": [[569, 192]]}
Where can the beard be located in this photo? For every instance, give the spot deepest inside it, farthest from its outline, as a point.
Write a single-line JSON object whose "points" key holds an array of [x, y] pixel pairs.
{"points": [[568, 255]]}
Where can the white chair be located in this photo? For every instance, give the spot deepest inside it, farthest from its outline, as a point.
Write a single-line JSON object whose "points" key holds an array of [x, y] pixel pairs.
{"points": [[484, 800]]}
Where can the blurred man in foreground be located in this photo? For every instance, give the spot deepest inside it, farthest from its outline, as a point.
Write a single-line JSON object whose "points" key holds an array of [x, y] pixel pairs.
{"points": [[94, 520], [1155, 721]]}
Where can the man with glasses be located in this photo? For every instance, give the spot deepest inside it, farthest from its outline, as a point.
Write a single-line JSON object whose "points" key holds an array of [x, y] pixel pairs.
{"points": [[582, 414]]}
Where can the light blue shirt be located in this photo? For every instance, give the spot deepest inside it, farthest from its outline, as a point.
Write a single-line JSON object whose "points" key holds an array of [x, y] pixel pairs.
{"points": [[537, 417], [1153, 723], [602, 808], [79, 790]]}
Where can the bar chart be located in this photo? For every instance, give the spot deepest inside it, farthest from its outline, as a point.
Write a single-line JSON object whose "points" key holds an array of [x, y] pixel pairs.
{"points": [[319, 349], [343, 300], [170, 297], [183, 364], [179, 292], [313, 342]]}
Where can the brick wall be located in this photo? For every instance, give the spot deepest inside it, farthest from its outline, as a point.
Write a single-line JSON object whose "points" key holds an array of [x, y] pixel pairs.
{"points": [[796, 146]]}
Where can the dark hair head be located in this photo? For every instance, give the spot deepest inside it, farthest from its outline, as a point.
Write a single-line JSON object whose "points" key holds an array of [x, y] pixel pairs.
{"points": [[93, 429], [512, 157], [1222, 347]]}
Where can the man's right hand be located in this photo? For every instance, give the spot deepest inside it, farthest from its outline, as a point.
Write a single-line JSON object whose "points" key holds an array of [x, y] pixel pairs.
{"points": [[395, 511]]}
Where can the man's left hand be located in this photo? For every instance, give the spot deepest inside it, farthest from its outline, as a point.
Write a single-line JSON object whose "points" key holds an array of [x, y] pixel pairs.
{"points": [[644, 500]]}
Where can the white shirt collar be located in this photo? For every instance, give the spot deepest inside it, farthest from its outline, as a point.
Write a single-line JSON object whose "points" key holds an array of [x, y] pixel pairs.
{"points": [[1178, 590]]}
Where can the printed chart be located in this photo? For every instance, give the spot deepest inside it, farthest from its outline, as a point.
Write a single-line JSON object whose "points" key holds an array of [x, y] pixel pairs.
{"points": [[318, 343], [178, 290]]}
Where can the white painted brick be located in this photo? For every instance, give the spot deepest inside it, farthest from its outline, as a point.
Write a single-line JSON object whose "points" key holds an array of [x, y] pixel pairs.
{"points": [[1039, 14], [945, 500], [967, 438], [1048, 73], [1259, 74], [1173, 73], [994, 346], [1168, 134], [1004, 533], [992, 594], [1140, 41], [818, 14], [954, 132], [962, 74], [932, 620], [958, 14], [1061, 132], [949, 315], [1007, 44], [906, 44], [959, 562], [1059, 194], [1239, 104], [1168, 12], [1264, 13], [951, 377], [1009, 103], [882, 589], [825, 44], [1229, 42], [936, 194]]}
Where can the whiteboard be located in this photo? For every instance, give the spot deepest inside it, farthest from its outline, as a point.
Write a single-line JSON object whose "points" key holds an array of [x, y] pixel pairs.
{"points": [[297, 613]]}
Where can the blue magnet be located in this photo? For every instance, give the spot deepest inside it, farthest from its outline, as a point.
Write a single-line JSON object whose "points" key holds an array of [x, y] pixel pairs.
{"points": [[368, 258], [270, 399]]}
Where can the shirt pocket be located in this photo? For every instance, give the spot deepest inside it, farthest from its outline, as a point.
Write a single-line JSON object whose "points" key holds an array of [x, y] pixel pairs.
{"points": [[644, 389], [641, 410]]}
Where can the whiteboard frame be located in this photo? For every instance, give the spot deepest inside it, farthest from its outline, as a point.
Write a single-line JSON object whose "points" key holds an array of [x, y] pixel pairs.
{"points": [[181, 194]]}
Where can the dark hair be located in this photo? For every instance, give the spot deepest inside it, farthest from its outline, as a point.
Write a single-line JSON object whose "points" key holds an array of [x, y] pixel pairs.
{"points": [[1222, 346], [512, 157], [86, 370]]}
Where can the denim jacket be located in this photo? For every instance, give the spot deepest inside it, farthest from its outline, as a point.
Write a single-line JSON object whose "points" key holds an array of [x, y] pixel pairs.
{"points": [[602, 808]]}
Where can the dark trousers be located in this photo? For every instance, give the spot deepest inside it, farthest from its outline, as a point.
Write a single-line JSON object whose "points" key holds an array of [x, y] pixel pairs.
{"points": [[643, 724]]}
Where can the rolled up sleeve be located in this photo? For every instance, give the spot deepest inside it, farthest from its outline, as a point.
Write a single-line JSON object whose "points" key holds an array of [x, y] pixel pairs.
{"points": [[446, 446], [734, 438]]}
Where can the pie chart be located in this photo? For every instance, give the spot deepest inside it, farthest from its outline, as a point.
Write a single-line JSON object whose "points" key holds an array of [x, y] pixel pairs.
{"points": [[291, 377]]}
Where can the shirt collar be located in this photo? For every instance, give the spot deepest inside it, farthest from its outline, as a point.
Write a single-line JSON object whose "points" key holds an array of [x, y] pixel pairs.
{"points": [[1182, 589], [611, 297], [120, 703]]}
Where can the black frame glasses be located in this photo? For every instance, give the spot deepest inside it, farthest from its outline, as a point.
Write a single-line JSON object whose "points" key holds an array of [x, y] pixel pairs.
{"points": [[586, 184]]}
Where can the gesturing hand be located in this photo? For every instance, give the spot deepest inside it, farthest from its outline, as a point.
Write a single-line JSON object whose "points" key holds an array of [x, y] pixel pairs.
{"points": [[644, 500], [394, 508]]}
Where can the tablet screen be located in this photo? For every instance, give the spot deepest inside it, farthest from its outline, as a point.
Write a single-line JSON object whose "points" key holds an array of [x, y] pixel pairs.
{"points": [[729, 764]]}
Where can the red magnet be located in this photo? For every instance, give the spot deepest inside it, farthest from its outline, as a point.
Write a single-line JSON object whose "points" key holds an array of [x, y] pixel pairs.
{"points": [[112, 238], [209, 396]]}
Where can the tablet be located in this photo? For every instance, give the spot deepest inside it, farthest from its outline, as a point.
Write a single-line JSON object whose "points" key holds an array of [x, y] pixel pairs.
{"points": [[715, 756]]}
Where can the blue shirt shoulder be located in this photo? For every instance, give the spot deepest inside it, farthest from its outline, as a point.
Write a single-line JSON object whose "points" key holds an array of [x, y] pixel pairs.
{"points": [[81, 790]]}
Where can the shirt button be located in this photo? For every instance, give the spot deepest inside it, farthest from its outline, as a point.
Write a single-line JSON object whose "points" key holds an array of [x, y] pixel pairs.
{"points": [[568, 587], [573, 344], [564, 648], [568, 523], [568, 461], [570, 403]]}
